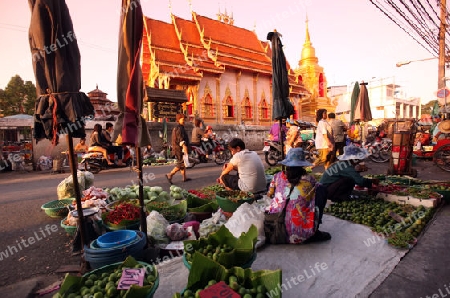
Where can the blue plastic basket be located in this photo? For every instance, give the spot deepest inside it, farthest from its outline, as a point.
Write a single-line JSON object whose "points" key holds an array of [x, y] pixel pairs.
{"points": [[115, 238]]}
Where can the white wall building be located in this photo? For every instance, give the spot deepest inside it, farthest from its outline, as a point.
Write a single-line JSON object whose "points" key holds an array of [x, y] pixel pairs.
{"points": [[387, 100]]}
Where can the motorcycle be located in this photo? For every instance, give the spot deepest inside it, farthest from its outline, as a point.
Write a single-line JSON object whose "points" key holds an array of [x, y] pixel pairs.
{"points": [[219, 152], [272, 151], [379, 149], [94, 161]]}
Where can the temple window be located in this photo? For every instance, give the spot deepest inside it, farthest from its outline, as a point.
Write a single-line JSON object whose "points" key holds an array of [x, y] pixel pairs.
{"points": [[208, 107], [247, 109], [229, 107], [264, 110]]}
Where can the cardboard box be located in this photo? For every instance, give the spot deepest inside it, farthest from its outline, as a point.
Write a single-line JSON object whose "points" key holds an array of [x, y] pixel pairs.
{"points": [[429, 203]]}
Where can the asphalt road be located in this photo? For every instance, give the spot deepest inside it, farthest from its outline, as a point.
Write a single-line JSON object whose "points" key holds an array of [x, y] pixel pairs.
{"points": [[47, 247]]}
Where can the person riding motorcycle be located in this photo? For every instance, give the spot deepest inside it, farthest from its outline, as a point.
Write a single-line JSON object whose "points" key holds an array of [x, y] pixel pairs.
{"points": [[98, 144]]}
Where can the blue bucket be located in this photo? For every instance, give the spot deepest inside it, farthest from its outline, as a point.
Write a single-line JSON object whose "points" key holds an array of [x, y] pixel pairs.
{"points": [[116, 238]]}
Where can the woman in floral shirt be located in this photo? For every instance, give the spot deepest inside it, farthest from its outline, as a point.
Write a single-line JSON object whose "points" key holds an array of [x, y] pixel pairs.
{"points": [[294, 183]]}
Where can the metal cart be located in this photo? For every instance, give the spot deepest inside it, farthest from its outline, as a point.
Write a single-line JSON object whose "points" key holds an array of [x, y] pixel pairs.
{"points": [[403, 135]]}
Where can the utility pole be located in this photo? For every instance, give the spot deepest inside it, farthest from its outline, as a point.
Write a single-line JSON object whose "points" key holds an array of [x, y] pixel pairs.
{"points": [[441, 72], [442, 54]]}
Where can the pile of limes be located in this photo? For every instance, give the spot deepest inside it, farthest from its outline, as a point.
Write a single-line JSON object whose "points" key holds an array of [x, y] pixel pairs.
{"points": [[210, 251], [400, 222]]}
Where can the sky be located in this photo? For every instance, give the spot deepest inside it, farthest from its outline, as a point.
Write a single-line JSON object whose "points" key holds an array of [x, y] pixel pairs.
{"points": [[354, 41]]}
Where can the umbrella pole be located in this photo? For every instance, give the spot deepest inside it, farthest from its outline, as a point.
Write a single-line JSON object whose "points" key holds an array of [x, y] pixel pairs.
{"points": [[73, 169], [141, 190], [281, 137]]}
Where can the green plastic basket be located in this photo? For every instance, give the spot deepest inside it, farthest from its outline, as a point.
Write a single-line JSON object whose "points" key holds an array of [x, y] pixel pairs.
{"points": [[72, 283], [57, 208]]}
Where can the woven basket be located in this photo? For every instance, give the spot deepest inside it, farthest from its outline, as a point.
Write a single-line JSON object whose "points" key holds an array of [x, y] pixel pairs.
{"points": [[57, 208]]}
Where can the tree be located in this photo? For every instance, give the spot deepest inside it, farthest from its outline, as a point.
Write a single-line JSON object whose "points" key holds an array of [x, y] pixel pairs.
{"points": [[426, 108], [18, 97]]}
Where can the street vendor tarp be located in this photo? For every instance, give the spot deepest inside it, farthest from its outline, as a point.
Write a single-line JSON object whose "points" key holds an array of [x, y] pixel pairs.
{"points": [[352, 264]]}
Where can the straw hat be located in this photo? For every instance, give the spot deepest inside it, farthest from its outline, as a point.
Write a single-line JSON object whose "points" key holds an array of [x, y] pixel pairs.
{"points": [[444, 126], [295, 158], [353, 152]]}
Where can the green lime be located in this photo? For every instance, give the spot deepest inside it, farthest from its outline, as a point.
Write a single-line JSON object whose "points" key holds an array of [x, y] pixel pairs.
{"points": [[89, 283], [111, 292], [98, 295]]}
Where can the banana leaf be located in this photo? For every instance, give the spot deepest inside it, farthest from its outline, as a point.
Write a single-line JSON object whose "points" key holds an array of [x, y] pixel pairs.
{"points": [[204, 269]]}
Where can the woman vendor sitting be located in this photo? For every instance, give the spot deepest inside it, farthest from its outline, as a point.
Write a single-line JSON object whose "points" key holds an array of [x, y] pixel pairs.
{"points": [[340, 178], [294, 183]]}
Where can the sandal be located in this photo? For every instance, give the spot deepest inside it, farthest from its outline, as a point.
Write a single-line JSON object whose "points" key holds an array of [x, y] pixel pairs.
{"points": [[187, 179], [168, 179]]}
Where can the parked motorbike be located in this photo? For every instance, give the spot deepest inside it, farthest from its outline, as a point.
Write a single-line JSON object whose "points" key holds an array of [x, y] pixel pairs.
{"points": [[220, 153], [272, 151], [94, 161], [380, 149], [309, 147]]}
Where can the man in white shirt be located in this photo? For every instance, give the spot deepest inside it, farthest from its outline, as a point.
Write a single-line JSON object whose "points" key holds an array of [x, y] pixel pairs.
{"points": [[324, 139], [248, 164]]}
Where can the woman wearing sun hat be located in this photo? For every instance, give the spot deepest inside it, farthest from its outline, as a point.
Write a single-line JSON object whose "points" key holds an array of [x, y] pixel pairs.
{"points": [[294, 183], [340, 178], [443, 128]]}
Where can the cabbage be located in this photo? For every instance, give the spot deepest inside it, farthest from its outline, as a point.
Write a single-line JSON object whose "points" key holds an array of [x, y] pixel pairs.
{"points": [[156, 189]]}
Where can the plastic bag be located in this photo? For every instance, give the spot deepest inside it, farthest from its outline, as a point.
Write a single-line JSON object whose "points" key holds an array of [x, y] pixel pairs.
{"points": [[156, 227], [212, 224], [247, 215], [65, 188], [176, 232], [187, 164]]}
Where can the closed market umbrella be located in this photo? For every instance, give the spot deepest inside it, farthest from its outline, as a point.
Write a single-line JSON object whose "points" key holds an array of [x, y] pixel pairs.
{"points": [[60, 107], [282, 107], [362, 110], [130, 88], [353, 101]]}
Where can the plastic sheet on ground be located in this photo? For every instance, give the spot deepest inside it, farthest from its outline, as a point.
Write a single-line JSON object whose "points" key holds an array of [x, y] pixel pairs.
{"points": [[352, 264]]}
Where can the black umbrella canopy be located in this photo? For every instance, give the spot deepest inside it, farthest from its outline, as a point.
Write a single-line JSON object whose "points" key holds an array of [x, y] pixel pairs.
{"points": [[282, 107], [130, 89], [60, 106], [130, 85]]}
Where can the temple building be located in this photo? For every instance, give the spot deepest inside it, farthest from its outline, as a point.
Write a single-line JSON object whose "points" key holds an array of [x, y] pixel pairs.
{"points": [[104, 108], [225, 70]]}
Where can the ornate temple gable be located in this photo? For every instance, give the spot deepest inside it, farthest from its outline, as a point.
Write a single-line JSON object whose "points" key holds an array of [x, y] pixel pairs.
{"points": [[195, 53], [163, 59], [232, 46]]}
